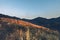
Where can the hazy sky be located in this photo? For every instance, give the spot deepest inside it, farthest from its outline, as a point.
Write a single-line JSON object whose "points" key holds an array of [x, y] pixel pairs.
{"points": [[30, 8]]}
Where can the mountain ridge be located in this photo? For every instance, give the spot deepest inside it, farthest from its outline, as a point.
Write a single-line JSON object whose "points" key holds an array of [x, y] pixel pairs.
{"points": [[22, 29], [38, 21], [53, 23]]}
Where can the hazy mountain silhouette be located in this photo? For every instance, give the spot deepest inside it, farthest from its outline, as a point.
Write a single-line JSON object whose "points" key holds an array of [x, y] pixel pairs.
{"points": [[6, 16], [53, 23], [14, 28]]}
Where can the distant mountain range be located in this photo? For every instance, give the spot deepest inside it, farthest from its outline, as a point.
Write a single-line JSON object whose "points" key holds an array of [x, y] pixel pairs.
{"points": [[53, 23], [14, 28]]}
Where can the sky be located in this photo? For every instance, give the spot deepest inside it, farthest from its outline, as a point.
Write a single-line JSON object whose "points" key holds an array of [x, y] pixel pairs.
{"points": [[30, 8]]}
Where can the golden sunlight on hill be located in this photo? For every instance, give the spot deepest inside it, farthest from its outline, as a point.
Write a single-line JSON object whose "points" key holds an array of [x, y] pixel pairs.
{"points": [[23, 23], [27, 31]]}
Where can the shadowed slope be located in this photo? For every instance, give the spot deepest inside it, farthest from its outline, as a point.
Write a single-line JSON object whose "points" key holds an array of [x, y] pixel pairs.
{"points": [[17, 29], [18, 21]]}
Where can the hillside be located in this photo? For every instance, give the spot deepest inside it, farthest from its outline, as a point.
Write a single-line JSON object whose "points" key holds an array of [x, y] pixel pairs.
{"points": [[13, 28], [53, 23], [10, 31]]}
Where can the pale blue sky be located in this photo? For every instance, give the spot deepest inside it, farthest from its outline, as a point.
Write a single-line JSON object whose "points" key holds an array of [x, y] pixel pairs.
{"points": [[30, 8]]}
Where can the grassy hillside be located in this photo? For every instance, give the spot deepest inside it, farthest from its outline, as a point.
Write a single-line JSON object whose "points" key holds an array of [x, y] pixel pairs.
{"points": [[9, 31]]}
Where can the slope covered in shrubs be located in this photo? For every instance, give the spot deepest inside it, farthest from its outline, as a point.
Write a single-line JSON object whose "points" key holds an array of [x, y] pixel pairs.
{"points": [[9, 31]]}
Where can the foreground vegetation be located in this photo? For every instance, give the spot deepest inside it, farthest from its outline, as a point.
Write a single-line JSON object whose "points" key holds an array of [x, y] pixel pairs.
{"points": [[10, 31]]}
